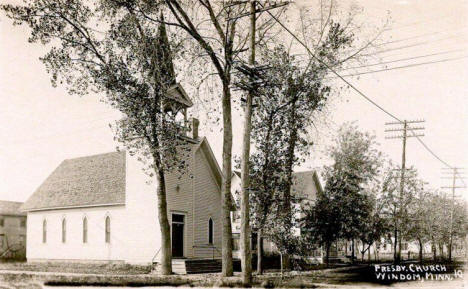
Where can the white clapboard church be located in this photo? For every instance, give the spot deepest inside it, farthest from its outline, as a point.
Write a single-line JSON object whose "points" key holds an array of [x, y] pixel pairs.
{"points": [[101, 208]]}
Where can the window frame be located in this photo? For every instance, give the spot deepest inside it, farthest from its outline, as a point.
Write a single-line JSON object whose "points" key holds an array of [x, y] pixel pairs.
{"points": [[85, 230], [64, 230], [44, 231], [107, 230], [210, 231]]}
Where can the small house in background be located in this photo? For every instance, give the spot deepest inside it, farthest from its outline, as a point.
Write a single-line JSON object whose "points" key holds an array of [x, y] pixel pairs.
{"points": [[12, 231], [306, 186]]}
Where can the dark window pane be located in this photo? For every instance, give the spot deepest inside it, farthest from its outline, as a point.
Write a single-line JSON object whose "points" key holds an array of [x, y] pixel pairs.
{"points": [[177, 218], [210, 231]]}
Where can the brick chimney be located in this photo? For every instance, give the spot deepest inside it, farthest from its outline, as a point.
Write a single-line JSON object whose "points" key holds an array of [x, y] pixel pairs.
{"points": [[195, 124]]}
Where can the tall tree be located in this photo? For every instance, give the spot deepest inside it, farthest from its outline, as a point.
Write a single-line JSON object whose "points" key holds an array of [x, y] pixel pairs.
{"points": [[112, 48], [292, 94], [322, 222], [397, 207], [214, 26], [375, 226], [356, 162]]}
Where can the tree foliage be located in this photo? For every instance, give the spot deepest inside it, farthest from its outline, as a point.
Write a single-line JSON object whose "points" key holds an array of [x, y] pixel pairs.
{"points": [[113, 48], [346, 206]]}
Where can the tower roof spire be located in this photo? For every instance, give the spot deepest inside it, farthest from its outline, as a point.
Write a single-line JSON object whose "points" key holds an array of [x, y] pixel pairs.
{"points": [[164, 51]]}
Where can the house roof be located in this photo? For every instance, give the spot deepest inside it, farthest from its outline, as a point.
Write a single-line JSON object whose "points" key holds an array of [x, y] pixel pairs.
{"points": [[306, 185], [85, 181], [11, 208]]}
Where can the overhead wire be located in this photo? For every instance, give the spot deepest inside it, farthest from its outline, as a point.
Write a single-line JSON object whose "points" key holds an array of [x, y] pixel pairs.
{"points": [[357, 90]]}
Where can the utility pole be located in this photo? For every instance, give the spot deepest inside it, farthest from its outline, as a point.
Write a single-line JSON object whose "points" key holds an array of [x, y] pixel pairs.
{"points": [[252, 71], [456, 174], [404, 130]]}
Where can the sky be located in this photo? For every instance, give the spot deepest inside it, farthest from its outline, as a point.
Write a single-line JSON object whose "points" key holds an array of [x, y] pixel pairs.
{"points": [[40, 125]]}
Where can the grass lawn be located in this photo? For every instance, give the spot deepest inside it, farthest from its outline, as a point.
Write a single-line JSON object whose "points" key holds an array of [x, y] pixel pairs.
{"points": [[89, 268], [136, 276]]}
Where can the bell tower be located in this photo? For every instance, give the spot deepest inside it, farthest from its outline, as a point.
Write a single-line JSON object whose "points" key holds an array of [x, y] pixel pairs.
{"points": [[176, 101]]}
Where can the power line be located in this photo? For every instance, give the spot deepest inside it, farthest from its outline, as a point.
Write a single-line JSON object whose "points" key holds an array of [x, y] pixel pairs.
{"points": [[403, 66], [405, 59], [411, 45], [355, 88], [420, 36]]}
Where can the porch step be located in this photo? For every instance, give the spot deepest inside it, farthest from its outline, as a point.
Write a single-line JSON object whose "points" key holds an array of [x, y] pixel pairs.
{"points": [[197, 266], [192, 266]]}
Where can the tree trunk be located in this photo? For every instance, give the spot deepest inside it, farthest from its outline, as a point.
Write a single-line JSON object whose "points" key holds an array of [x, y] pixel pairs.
{"points": [[352, 251], [369, 253], [363, 251], [227, 269], [395, 242], [400, 239], [166, 250], [259, 252], [246, 252], [434, 252], [327, 253], [420, 250], [289, 166], [441, 251], [376, 252]]}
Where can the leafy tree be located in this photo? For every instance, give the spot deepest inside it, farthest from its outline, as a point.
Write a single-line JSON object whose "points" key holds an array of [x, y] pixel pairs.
{"points": [[293, 93], [398, 205], [322, 222], [356, 162], [420, 226], [113, 48], [375, 226]]}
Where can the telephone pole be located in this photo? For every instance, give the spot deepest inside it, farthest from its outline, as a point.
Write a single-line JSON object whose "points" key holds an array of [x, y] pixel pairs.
{"points": [[252, 71], [456, 174], [402, 127]]}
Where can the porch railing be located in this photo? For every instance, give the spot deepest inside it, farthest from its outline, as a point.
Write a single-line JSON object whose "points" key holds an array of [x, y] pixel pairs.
{"points": [[155, 255]]}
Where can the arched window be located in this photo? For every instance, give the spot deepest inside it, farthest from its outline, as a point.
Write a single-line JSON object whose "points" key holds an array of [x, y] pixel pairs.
{"points": [[85, 230], [210, 231], [44, 231], [107, 229], [64, 230]]}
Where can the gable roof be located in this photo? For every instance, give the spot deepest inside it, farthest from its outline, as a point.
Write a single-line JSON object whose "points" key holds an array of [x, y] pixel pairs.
{"points": [[11, 208], [80, 182], [177, 92], [306, 185]]}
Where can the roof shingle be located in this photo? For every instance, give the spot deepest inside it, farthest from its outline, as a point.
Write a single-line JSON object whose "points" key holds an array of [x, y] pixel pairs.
{"points": [[305, 185], [11, 208], [85, 181]]}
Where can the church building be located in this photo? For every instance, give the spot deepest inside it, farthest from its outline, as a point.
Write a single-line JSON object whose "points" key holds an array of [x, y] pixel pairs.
{"points": [[102, 208]]}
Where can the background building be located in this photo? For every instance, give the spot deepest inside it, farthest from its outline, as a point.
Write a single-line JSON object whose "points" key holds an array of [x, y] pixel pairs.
{"points": [[12, 230]]}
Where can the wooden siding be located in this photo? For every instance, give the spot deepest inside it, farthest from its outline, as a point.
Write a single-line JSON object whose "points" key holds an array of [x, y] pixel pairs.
{"points": [[207, 205], [180, 201], [198, 198]]}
